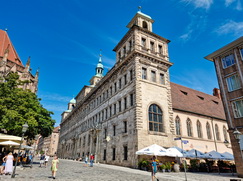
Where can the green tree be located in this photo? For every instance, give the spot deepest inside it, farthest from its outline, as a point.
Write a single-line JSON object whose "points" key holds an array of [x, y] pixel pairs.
{"points": [[18, 106]]}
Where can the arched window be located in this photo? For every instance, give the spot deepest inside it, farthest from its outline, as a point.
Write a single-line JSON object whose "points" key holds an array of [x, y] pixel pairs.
{"points": [[199, 129], [155, 118], [225, 133], [208, 131], [178, 126], [217, 132], [145, 25], [189, 127]]}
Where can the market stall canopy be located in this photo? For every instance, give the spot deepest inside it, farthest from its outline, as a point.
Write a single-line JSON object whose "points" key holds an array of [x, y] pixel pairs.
{"points": [[9, 137], [193, 153], [215, 155], [9, 143], [154, 149], [173, 152], [228, 156]]}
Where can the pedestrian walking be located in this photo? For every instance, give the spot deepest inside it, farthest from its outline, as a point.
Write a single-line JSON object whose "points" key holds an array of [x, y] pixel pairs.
{"points": [[46, 160], [91, 159], [154, 169], [54, 166], [42, 159], [3, 165], [9, 164], [86, 160]]}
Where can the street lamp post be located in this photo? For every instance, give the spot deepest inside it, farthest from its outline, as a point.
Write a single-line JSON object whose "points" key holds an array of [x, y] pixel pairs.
{"points": [[97, 129], [36, 139], [24, 129], [237, 134]]}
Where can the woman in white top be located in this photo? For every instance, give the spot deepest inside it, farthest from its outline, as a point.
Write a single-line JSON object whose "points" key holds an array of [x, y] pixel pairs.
{"points": [[9, 164]]}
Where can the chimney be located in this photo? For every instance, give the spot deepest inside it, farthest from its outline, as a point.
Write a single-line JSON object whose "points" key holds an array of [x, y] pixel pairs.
{"points": [[216, 92]]}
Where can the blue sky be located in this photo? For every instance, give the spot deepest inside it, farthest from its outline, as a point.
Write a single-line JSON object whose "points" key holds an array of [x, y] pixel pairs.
{"points": [[64, 38]]}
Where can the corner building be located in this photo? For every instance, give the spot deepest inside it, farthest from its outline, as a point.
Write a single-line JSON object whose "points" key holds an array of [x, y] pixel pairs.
{"points": [[130, 107]]}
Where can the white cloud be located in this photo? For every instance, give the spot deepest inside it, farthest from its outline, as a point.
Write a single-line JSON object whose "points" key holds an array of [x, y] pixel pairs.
{"points": [[205, 4], [231, 27], [229, 2], [195, 27], [237, 3]]}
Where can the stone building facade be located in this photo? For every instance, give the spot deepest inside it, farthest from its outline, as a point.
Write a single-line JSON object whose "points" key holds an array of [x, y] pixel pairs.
{"points": [[228, 62], [10, 62], [49, 144], [131, 107]]}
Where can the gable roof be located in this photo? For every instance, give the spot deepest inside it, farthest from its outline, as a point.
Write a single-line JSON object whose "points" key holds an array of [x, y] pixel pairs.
{"points": [[190, 100], [4, 43]]}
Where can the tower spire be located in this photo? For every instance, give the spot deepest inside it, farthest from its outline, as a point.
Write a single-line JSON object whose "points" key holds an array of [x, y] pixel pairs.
{"points": [[99, 67]]}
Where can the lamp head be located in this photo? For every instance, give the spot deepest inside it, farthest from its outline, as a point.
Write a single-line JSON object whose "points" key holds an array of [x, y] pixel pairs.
{"points": [[25, 127], [237, 134]]}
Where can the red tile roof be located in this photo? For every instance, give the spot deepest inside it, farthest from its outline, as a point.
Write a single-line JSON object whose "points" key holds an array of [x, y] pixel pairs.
{"points": [[56, 129], [190, 100], [4, 43]]}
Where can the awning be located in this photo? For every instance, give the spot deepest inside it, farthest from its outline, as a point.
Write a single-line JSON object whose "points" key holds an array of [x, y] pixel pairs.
{"points": [[5, 137], [9, 143]]}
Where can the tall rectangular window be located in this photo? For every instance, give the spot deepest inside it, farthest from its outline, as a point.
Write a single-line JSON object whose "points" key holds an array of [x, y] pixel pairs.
{"points": [[105, 133], [115, 87], [120, 83], [114, 109], [131, 76], [125, 103], [113, 153], [162, 79], [114, 130], [160, 49], [153, 76], [125, 126], [120, 107], [152, 46], [124, 50], [228, 61], [143, 42], [104, 156], [144, 73], [125, 79], [125, 152], [110, 111], [241, 52], [130, 45], [111, 90], [233, 82], [131, 100], [106, 113], [238, 108]]}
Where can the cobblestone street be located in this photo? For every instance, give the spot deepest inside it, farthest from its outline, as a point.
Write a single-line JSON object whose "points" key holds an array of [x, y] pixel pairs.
{"points": [[72, 170]]}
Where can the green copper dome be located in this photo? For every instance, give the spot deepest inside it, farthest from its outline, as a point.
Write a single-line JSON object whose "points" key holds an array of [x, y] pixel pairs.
{"points": [[73, 101]]}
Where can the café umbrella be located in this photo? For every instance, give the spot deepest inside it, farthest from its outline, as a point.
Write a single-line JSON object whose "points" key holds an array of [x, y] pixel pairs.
{"points": [[9, 143], [154, 149]]}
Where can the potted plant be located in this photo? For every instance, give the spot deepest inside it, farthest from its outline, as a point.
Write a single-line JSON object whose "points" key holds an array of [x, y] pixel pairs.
{"points": [[145, 165], [168, 166], [162, 167]]}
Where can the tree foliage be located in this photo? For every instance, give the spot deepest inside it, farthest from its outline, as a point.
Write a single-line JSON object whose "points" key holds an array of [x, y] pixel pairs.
{"points": [[18, 106]]}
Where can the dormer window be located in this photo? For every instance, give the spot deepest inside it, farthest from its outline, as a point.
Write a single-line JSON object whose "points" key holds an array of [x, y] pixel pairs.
{"points": [[145, 25], [185, 93], [202, 98]]}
